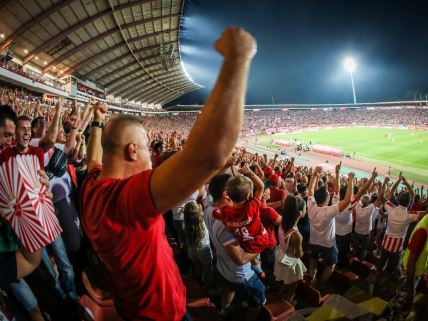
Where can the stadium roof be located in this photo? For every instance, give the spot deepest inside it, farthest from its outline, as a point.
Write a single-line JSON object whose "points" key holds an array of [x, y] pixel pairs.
{"points": [[129, 47]]}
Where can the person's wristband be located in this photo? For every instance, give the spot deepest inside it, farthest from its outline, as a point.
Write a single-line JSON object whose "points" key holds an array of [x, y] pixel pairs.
{"points": [[98, 124]]}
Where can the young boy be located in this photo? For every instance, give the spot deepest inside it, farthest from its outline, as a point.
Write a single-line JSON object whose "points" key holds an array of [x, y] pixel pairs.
{"points": [[243, 217]]}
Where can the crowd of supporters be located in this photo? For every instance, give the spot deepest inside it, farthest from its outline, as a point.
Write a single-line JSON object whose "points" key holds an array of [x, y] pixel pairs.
{"points": [[33, 76], [120, 185], [133, 106]]}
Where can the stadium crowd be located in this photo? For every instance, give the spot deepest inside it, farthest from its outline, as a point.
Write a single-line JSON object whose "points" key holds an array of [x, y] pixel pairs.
{"points": [[124, 187]]}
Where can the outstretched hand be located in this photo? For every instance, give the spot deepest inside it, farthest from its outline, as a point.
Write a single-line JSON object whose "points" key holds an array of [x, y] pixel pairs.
{"points": [[246, 171]]}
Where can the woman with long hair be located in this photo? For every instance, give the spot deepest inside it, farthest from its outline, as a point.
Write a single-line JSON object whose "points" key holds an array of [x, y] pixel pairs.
{"points": [[198, 244], [289, 268]]}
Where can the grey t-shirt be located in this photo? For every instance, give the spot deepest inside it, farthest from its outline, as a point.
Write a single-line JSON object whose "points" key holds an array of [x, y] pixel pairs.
{"points": [[220, 237]]}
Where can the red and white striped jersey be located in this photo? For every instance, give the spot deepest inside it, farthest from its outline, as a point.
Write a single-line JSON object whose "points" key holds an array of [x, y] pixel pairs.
{"points": [[399, 219]]}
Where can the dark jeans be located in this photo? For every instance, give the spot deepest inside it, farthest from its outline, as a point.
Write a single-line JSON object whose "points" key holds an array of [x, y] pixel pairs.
{"points": [[328, 254], [390, 260], [343, 247], [360, 243], [252, 291]]}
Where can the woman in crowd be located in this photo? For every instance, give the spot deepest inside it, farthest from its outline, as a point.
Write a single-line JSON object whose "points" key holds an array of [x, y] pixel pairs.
{"points": [[289, 268]]}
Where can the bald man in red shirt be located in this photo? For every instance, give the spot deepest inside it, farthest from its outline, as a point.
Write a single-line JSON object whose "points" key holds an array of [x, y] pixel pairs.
{"points": [[123, 198]]}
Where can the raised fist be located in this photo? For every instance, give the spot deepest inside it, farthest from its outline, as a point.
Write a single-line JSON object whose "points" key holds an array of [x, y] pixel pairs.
{"points": [[236, 43], [338, 167], [100, 112], [351, 175]]}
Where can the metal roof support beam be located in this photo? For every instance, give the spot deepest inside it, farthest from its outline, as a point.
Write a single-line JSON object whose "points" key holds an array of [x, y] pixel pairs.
{"points": [[120, 69], [149, 84], [77, 26], [142, 83], [168, 98], [113, 72], [29, 24], [142, 60], [158, 96], [132, 40], [138, 77], [153, 88], [130, 73], [110, 32], [116, 60], [155, 96], [98, 56]]}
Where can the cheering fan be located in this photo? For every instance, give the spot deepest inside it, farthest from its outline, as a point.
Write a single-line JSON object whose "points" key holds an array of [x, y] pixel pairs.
{"points": [[24, 203]]}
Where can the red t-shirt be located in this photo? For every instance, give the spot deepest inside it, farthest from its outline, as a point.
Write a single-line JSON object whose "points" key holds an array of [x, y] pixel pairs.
{"points": [[417, 241], [276, 195], [417, 206], [246, 224], [268, 217], [156, 159], [128, 233]]}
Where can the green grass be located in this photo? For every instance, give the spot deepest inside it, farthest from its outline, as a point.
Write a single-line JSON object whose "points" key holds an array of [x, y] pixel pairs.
{"points": [[401, 149]]}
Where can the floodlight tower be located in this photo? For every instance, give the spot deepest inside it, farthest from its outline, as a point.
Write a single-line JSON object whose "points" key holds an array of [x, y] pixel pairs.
{"points": [[350, 66]]}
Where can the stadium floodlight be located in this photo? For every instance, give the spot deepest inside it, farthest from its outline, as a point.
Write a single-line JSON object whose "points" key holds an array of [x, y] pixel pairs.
{"points": [[350, 66]]}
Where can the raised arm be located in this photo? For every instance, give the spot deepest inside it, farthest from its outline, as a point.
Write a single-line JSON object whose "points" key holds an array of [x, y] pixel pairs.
{"points": [[195, 164], [273, 161], [49, 140], [409, 189], [337, 178], [343, 204], [366, 185], [313, 181], [394, 187], [95, 150], [258, 183], [289, 167], [379, 199], [74, 122]]}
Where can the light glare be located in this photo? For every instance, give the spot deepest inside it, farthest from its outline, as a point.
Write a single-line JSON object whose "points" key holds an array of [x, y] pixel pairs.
{"points": [[350, 64]]}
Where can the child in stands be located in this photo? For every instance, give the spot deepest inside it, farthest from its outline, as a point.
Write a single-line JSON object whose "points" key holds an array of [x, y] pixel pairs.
{"points": [[243, 217]]}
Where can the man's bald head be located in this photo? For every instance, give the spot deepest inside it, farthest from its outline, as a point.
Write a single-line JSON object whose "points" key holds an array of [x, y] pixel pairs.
{"points": [[120, 131]]}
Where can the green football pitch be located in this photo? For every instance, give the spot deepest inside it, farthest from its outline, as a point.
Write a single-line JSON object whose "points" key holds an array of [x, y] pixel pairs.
{"points": [[401, 149]]}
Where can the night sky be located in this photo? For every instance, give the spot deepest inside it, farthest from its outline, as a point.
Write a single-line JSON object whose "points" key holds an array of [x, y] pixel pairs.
{"points": [[302, 46]]}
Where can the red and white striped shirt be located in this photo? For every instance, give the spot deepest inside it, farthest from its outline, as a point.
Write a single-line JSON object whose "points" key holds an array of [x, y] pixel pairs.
{"points": [[399, 219]]}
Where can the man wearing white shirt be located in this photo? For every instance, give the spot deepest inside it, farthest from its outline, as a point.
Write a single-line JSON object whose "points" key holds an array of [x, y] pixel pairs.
{"points": [[399, 219], [322, 224], [365, 214], [345, 220]]}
